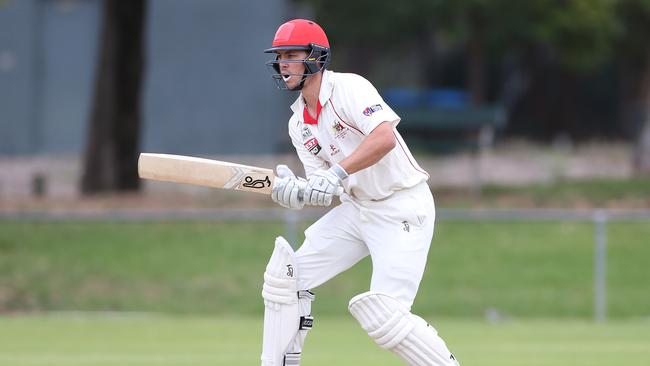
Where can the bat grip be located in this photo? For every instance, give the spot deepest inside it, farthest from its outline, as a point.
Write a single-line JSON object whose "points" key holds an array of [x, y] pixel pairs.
{"points": [[303, 184]]}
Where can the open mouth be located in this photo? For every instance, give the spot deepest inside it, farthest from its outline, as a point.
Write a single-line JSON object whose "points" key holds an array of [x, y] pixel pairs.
{"points": [[286, 77]]}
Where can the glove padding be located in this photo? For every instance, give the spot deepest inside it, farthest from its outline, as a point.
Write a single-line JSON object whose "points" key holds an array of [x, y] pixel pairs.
{"points": [[323, 185], [287, 189]]}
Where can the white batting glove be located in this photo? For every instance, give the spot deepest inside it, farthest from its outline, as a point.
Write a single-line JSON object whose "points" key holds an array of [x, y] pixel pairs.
{"points": [[287, 189], [323, 184]]}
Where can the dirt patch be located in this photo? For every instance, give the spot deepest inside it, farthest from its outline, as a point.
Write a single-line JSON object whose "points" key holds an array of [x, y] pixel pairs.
{"points": [[455, 180]]}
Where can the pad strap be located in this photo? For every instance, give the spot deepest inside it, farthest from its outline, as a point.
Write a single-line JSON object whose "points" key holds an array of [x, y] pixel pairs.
{"points": [[306, 321]]}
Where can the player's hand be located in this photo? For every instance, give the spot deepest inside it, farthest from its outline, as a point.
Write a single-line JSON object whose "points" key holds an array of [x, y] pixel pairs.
{"points": [[287, 189], [323, 185]]}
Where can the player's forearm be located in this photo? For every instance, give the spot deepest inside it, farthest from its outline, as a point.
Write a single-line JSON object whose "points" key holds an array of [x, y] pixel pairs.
{"points": [[374, 147]]}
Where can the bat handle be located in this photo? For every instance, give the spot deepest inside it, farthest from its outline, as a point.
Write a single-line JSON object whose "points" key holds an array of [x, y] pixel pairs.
{"points": [[303, 184]]}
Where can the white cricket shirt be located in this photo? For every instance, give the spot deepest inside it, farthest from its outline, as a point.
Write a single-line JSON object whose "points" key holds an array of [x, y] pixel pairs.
{"points": [[350, 109]]}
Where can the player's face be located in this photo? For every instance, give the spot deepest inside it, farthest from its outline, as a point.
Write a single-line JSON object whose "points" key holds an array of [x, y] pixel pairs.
{"points": [[291, 66]]}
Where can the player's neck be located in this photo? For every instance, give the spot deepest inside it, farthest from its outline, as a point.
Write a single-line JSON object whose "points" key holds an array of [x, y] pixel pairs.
{"points": [[311, 90]]}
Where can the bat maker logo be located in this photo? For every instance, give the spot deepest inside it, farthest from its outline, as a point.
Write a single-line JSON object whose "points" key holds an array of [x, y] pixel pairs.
{"points": [[249, 182], [334, 150], [407, 227], [372, 109]]}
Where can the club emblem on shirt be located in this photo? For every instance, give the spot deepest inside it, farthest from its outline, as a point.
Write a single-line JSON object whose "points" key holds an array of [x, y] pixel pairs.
{"points": [[372, 109], [339, 130], [313, 146]]}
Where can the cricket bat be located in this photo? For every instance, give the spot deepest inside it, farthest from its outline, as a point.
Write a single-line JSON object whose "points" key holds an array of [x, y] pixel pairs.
{"points": [[206, 172]]}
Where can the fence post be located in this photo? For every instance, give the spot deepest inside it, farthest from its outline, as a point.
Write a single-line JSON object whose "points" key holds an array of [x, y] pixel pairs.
{"points": [[291, 219], [600, 265]]}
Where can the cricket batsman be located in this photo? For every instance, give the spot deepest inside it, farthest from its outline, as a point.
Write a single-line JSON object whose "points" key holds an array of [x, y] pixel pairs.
{"points": [[345, 136]]}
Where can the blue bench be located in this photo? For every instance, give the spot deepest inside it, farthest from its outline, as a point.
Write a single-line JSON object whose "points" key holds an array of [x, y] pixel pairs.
{"points": [[441, 120]]}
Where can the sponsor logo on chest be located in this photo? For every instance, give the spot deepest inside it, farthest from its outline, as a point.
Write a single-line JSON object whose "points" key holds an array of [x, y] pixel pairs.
{"points": [[306, 133], [310, 141], [312, 145]]}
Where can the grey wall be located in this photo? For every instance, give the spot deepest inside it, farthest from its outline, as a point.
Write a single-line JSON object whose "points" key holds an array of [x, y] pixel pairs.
{"points": [[70, 34], [17, 77], [206, 89]]}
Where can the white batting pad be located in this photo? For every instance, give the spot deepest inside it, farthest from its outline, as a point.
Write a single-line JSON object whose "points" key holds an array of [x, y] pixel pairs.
{"points": [[286, 310], [280, 277], [392, 326]]}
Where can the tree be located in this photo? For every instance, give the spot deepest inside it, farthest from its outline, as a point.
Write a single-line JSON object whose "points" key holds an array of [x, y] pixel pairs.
{"points": [[633, 53], [580, 36], [110, 161], [578, 32], [555, 46]]}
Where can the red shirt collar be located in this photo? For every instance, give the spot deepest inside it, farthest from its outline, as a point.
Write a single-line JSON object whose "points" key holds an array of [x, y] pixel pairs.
{"points": [[308, 118]]}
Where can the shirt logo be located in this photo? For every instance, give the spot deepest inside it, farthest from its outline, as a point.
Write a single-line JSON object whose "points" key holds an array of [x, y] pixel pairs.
{"points": [[372, 109], [306, 133], [339, 130], [407, 227], [313, 146], [334, 150]]}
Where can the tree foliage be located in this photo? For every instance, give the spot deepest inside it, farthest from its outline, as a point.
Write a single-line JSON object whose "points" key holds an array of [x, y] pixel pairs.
{"points": [[384, 23], [578, 32], [578, 39]]}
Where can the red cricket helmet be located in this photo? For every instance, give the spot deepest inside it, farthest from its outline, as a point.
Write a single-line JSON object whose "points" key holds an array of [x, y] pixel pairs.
{"points": [[301, 34]]}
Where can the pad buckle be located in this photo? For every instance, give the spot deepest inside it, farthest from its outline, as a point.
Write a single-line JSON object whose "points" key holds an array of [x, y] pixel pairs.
{"points": [[291, 359], [306, 322]]}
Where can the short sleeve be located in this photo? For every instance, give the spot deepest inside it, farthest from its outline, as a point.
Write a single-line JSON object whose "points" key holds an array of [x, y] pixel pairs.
{"points": [[365, 106]]}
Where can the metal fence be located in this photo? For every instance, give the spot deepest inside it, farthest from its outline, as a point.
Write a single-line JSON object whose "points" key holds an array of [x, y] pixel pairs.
{"points": [[599, 218], [294, 219]]}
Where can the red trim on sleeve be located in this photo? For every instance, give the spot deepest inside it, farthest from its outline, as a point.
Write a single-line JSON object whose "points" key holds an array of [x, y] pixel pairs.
{"points": [[344, 122], [308, 118], [413, 164]]}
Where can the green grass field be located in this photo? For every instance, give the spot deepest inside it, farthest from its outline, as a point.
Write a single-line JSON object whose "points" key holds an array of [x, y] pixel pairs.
{"points": [[521, 270], [143, 340], [569, 193], [188, 293]]}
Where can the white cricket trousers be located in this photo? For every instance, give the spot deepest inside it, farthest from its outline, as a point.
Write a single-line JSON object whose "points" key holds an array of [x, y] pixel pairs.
{"points": [[396, 232]]}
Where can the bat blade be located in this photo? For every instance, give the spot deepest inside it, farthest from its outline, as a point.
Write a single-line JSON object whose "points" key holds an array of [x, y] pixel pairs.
{"points": [[205, 172]]}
